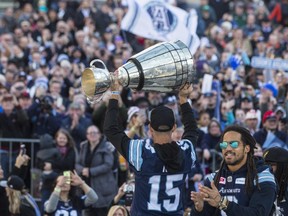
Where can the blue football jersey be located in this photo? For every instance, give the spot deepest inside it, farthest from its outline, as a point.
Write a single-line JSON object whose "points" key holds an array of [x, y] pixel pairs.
{"points": [[156, 191], [68, 209]]}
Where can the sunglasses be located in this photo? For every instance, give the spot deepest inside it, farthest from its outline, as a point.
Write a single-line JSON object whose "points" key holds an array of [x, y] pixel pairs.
{"points": [[233, 144]]}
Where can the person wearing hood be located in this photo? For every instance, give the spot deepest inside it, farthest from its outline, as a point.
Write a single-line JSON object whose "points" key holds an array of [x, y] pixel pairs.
{"points": [[242, 186], [277, 158]]}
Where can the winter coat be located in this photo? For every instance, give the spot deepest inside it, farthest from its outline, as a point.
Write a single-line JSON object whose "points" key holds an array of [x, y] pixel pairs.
{"points": [[102, 178]]}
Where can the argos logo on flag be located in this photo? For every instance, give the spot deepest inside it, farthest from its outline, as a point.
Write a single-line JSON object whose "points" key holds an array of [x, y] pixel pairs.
{"points": [[164, 21]]}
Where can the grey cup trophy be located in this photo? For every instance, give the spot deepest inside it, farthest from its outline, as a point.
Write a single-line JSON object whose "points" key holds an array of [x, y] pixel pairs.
{"points": [[164, 67]]}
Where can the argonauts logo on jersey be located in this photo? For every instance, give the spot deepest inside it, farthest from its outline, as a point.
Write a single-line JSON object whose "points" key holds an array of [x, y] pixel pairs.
{"points": [[163, 19]]}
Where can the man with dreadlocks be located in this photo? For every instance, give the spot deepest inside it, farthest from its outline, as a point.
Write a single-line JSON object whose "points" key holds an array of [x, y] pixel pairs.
{"points": [[278, 159], [243, 185]]}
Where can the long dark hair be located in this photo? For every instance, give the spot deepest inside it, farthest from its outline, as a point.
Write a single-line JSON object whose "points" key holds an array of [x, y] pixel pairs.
{"points": [[282, 178], [70, 140], [73, 192], [247, 139]]}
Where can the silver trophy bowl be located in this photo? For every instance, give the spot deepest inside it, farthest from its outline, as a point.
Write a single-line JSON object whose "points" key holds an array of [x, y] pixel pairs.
{"points": [[164, 67]]}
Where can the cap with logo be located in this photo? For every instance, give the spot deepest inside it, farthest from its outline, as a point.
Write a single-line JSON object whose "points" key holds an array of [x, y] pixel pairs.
{"points": [[14, 182], [276, 154]]}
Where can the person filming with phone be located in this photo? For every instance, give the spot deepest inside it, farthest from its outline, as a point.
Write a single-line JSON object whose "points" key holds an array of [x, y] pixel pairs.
{"points": [[64, 201]]}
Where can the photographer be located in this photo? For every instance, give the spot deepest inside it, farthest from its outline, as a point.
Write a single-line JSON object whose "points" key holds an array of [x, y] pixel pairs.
{"points": [[124, 197], [43, 117], [63, 199]]}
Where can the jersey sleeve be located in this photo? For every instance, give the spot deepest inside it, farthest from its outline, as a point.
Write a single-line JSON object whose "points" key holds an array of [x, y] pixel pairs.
{"points": [[134, 154], [187, 146]]}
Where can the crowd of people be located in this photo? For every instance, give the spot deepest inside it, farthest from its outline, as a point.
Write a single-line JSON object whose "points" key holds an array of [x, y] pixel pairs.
{"points": [[45, 46]]}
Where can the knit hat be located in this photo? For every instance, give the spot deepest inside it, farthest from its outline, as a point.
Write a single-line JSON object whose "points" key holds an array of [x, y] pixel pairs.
{"points": [[272, 88], [162, 119], [132, 111], [251, 114]]}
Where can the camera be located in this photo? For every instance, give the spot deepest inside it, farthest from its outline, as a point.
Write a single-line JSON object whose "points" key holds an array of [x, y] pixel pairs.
{"points": [[46, 103], [129, 188]]}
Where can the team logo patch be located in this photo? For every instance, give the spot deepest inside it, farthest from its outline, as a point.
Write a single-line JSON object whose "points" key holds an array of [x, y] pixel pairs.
{"points": [[164, 21], [240, 181], [222, 180]]}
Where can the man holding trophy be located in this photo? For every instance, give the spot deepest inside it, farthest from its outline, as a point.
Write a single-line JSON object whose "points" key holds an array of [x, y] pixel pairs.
{"points": [[160, 164]]}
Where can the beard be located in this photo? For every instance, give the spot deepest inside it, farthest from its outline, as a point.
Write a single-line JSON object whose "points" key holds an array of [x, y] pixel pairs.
{"points": [[235, 161]]}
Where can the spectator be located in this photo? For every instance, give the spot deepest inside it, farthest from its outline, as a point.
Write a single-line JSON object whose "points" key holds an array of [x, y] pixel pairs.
{"points": [[25, 101], [204, 120], [63, 199], [95, 165], [255, 195], [47, 153], [14, 122], [76, 123], [84, 11], [156, 156], [251, 121], [65, 161], [117, 210], [250, 26], [239, 15], [43, 117], [269, 135], [210, 141], [64, 12], [20, 169], [60, 102], [171, 102], [68, 152], [277, 158], [20, 201], [136, 123]]}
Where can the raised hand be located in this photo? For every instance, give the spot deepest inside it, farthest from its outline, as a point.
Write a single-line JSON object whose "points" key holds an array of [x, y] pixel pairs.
{"points": [[76, 179], [185, 90], [115, 85], [184, 93], [22, 159], [61, 181]]}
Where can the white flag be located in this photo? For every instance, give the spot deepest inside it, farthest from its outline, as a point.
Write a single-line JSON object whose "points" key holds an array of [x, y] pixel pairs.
{"points": [[158, 20]]}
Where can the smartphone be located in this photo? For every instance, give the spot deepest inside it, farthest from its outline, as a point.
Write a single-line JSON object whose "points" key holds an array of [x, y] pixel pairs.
{"points": [[23, 148], [67, 174]]}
